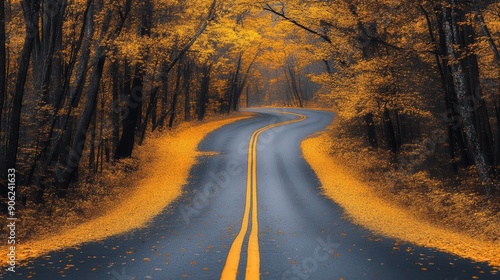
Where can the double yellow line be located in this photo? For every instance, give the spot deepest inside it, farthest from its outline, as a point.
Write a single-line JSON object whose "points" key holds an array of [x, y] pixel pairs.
{"points": [[230, 270]]}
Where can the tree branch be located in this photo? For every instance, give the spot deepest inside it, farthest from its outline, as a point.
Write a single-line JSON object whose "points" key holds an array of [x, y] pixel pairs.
{"points": [[282, 15]]}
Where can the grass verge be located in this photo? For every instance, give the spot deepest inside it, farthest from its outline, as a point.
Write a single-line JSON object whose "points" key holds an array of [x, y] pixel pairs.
{"points": [[372, 205]]}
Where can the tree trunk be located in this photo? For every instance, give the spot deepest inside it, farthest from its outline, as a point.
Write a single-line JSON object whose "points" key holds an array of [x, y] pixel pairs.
{"points": [[240, 86], [56, 22], [453, 16], [30, 10], [370, 128], [115, 113], [399, 129], [235, 81], [51, 19], [451, 148], [149, 112], [67, 174], [3, 66], [204, 91], [390, 133], [127, 140], [478, 105], [247, 97], [294, 85], [288, 91], [187, 97], [93, 127], [160, 122], [497, 146], [65, 123], [440, 55], [154, 106], [455, 134], [54, 148], [175, 97]]}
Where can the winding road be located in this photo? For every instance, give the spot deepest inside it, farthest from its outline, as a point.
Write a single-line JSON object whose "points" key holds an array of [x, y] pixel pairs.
{"points": [[253, 210]]}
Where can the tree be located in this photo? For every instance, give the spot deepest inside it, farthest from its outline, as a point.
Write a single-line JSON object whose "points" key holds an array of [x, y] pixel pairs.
{"points": [[67, 174], [3, 64], [30, 12], [465, 78], [135, 93]]}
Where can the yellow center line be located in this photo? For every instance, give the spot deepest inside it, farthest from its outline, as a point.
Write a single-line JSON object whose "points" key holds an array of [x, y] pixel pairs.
{"points": [[252, 272]]}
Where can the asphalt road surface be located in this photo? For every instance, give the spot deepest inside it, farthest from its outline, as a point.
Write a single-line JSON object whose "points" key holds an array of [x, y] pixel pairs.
{"points": [[253, 209]]}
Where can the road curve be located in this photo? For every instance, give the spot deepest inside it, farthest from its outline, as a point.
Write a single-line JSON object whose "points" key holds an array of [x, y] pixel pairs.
{"points": [[253, 209]]}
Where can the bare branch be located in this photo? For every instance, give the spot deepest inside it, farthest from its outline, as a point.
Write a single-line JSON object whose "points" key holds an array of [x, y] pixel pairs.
{"points": [[282, 15]]}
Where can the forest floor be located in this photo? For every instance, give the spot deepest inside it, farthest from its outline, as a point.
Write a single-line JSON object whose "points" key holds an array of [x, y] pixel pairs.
{"points": [[413, 209], [123, 198]]}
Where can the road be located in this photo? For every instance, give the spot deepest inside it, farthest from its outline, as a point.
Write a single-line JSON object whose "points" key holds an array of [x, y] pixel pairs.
{"points": [[253, 209]]}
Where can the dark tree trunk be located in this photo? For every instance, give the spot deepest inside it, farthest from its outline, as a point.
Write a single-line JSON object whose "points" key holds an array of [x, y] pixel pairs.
{"points": [[3, 66], [165, 91], [289, 91], [154, 106], [160, 121], [66, 175], [478, 105], [55, 148], [370, 128], [56, 85], [175, 97], [234, 88], [204, 91], [127, 140], [390, 133], [247, 97], [93, 126], [455, 133], [187, 97], [240, 85], [133, 118], [30, 10], [295, 85], [440, 56], [66, 139], [149, 112], [453, 17], [186, 86], [44, 50], [57, 80], [115, 113], [399, 129], [451, 149], [497, 146], [68, 172]]}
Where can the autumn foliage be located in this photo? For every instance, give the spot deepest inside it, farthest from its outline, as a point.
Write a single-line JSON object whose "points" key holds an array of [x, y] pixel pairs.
{"points": [[83, 82]]}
